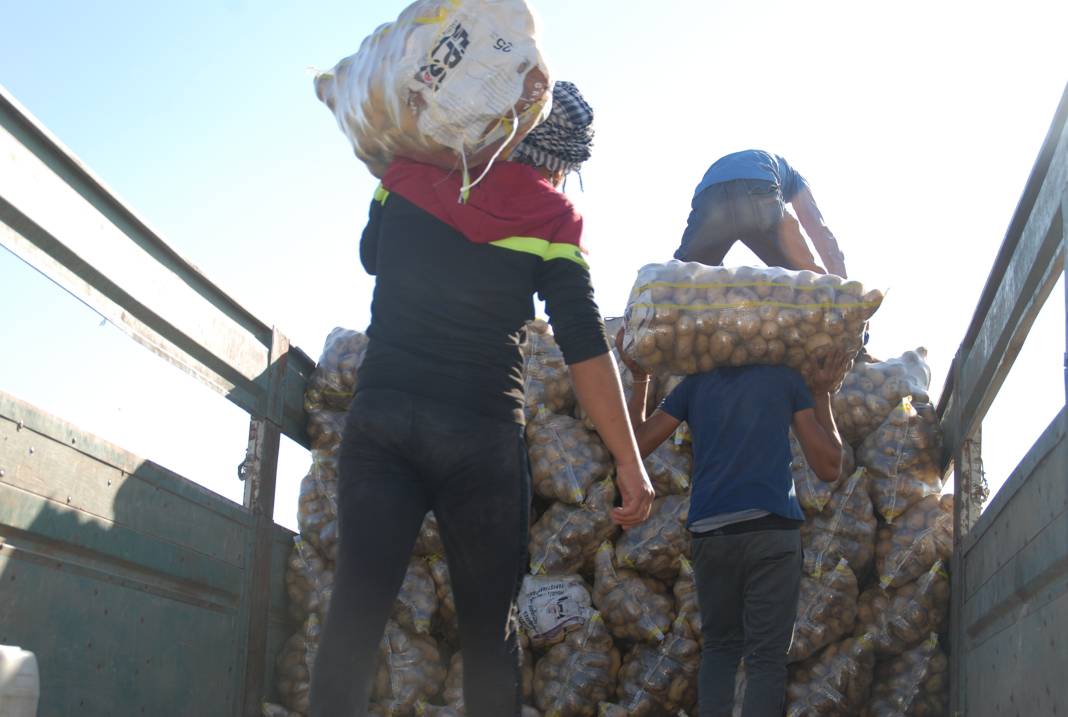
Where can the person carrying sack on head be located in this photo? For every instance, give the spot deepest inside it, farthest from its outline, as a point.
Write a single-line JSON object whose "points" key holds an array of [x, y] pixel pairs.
{"points": [[436, 423], [743, 197]]}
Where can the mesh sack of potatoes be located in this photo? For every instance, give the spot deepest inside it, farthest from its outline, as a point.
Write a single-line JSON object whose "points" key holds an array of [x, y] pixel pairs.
{"points": [[417, 600], [844, 529], [812, 493], [295, 663], [625, 378], [669, 468], [826, 611], [566, 537], [410, 670], [900, 618], [565, 457], [333, 382], [317, 505], [325, 430], [549, 607], [546, 378], [446, 619], [685, 317], [575, 676], [913, 684], [872, 389], [661, 679], [429, 540], [449, 82], [634, 606], [834, 683], [655, 546], [903, 458], [908, 548], [685, 590], [309, 581]]}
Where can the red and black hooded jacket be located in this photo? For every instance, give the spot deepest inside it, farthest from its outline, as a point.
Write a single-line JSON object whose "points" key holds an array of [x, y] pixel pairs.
{"points": [[455, 284]]}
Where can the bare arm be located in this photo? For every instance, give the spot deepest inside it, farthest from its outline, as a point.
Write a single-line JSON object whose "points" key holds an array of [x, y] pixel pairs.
{"points": [[815, 428], [600, 393], [811, 219], [651, 432]]}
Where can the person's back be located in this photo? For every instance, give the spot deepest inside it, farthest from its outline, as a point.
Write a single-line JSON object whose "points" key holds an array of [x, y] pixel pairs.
{"points": [[744, 516], [743, 197]]}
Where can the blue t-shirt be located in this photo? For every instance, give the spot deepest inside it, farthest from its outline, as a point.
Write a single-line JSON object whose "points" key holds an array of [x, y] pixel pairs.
{"points": [[740, 420], [754, 164]]}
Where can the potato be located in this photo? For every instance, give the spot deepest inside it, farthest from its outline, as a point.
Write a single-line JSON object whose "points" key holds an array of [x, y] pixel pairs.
{"points": [[654, 546], [579, 673], [844, 529], [662, 679], [565, 457], [566, 537], [914, 684], [686, 606], [826, 611], [309, 581], [903, 458], [317, 505], [445, 621], [812, 493], [417, 600], [908, 548], [900, 618], [295, 664], [333, 382], [834, 683], [549, 607], [871, 390], [546, 378], [634, 608], [429, 540], [410, 670], [325, 430], [669, 468], [750, 315]]}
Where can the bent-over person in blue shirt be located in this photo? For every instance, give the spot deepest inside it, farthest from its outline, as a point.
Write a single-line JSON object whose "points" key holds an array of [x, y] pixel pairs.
{"points": [[743, 197], [744, 516]]}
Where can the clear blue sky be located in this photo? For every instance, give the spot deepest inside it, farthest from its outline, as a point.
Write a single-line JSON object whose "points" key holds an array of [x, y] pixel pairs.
{"points": [[916, 124]]}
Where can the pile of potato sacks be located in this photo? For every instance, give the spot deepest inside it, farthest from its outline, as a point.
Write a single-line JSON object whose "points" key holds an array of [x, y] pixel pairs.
{"points": [[608, 620]]}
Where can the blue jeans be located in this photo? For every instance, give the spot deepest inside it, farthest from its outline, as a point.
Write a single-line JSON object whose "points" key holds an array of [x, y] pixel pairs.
{"points": [[747, 210], [748, 585], [401, 456]]}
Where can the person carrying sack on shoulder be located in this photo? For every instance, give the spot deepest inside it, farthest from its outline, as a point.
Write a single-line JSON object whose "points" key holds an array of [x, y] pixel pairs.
{"points": [[437, 419], [744, 518], [743, 197]]}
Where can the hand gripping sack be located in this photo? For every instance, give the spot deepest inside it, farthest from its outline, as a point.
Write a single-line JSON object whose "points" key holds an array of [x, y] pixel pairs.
{"points": [[450, 83], [686, 318]]}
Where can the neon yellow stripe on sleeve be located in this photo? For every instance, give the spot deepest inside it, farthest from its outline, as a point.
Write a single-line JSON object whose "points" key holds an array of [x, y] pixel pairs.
{"points": [[542, 248], [381, 194]]}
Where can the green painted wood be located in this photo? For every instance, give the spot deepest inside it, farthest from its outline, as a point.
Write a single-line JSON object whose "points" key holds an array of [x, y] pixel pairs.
{"points": [[134, 596]]}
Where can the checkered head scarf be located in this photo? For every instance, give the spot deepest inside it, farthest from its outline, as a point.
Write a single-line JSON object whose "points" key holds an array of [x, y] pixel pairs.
{"points": [[562, 142]]}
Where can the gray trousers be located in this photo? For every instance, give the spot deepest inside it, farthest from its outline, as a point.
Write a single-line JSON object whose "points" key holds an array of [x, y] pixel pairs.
{"points": [[747, 589]]}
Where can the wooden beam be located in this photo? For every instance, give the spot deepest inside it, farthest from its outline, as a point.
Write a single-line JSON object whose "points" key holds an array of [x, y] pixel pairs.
{"points": [[260, 476], [62, 220]]}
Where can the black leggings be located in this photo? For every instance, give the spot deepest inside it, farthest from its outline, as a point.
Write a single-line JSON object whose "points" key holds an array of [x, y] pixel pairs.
{"points": [[402, 456]]}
